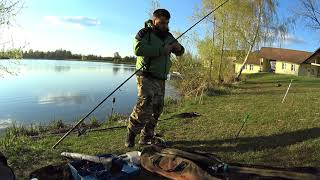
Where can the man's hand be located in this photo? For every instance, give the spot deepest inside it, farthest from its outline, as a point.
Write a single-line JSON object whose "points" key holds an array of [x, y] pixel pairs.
{"points": [[168, 48], [176, 47]]}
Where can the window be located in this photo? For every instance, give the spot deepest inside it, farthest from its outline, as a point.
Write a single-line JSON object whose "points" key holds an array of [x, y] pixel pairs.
{"points": [[251, 67], [312, 71], [293, 67], [245, 67], [284, 65]]}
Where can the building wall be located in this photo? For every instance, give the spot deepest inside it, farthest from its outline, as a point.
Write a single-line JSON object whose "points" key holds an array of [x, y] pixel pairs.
{"points": [[309, 70], [254, 68], [283, 67]]}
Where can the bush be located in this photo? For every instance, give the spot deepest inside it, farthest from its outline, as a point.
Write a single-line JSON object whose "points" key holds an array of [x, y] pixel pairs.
{"points": [[193, 80], [169, 104], [170, 101], [57, 124], [196, 79], [117, 117], [20, 130], [94, 123]]}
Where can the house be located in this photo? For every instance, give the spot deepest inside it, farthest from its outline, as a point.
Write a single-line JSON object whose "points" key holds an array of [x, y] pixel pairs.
{"points": [[311, 66], [252, 66], [283, 61]]}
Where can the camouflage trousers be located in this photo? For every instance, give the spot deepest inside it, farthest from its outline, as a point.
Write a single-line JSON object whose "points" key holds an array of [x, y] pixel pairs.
{"points": [[149, 107]]}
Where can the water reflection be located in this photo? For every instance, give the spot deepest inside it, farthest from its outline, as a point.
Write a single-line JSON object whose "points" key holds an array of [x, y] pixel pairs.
{"points": [[62, 68], [115, 70], [129, 69], [67, 98], [4, 123], [92, 68], [42, 93]]}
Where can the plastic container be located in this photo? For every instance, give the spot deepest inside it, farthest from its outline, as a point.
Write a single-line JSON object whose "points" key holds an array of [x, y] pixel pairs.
{"points": [[132, 157], [120, 169]]}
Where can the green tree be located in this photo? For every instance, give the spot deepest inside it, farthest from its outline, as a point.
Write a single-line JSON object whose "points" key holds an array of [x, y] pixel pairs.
{"points": [[237, 26], [116, 57], [219, 37], [262, 25]]}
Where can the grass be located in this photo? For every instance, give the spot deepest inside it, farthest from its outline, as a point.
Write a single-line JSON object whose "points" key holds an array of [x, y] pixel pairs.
{"points": [[276, 134]]}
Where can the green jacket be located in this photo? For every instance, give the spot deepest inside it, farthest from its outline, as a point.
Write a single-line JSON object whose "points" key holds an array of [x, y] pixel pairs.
{"points": [[149, 49]]}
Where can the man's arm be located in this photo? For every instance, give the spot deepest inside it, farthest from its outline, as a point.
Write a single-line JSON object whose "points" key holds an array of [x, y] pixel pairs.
{"points": [[178, 49], [143, 48]]}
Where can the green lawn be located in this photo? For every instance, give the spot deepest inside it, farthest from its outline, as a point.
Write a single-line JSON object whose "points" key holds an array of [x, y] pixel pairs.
{"points": [[285, 135]]}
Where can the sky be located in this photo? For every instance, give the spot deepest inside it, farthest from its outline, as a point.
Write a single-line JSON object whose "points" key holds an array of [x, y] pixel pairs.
{"points": [[102, 27]]}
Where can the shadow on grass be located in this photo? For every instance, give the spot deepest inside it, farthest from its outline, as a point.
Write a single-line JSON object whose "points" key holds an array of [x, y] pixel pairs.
{"points": [[305, 83], [262, 92], [272, 91], [220, 91], [246, 144]]}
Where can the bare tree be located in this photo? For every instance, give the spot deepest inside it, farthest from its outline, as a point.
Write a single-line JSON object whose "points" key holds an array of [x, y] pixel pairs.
{"points": [[155, 4], [8, 10], [310, 11]]}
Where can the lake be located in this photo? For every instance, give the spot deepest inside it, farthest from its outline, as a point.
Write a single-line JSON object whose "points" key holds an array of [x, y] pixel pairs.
{"points": [[47, 90]]}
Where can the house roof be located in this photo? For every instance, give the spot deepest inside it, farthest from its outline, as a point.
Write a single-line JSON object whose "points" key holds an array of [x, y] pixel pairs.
{"points": [[254, 58], [316, 53], [287, 55]]}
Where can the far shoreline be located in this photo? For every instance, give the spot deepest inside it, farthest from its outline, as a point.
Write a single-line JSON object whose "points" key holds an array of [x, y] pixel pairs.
{"points": [[112, 62]]}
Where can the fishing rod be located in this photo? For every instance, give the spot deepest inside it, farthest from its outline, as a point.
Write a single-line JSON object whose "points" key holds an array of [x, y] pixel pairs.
{"points": [[244, 122], [81, 120]]}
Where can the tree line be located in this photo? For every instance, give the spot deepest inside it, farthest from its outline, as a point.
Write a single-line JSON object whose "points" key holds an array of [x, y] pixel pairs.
{"points": [[61, 54]]}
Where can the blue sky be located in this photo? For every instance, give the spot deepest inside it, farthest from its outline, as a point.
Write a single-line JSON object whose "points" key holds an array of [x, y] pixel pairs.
{"points": [[103, 27]]}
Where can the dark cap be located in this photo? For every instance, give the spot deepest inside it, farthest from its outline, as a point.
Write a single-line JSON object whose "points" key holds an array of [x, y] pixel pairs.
{"points": [[161, 12]]}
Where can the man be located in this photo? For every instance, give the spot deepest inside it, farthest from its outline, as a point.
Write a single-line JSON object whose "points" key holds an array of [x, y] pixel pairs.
{"points": [[153, 46]]}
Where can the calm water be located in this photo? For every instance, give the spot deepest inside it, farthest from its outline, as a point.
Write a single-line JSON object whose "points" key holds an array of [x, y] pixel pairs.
{"points": [[46, 90]]}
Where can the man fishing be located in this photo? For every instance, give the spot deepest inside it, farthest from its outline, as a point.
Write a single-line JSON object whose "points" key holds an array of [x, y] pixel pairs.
{"points": [[153, 46]]}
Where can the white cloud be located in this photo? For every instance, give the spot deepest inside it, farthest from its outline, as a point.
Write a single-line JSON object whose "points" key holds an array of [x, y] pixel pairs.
{"points": [[41, 36], [78, 22], [287, 40], [291, 39]]}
